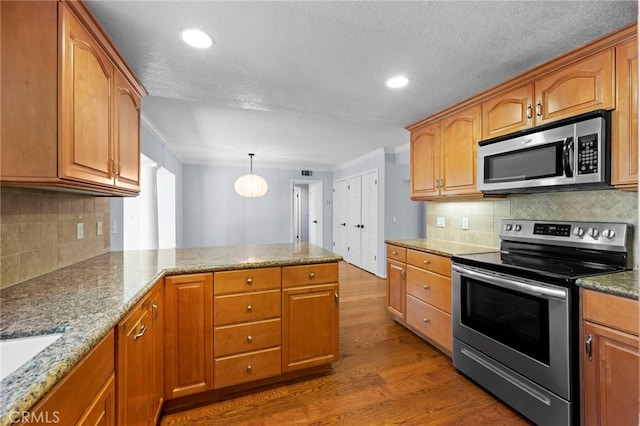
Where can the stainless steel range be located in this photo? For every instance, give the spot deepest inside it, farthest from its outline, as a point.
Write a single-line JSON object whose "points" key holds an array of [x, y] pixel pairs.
{"points": [[515, 312]]}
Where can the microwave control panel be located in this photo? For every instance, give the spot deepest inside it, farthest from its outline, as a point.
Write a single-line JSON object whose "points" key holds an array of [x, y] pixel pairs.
{"points": [[587, 154]]}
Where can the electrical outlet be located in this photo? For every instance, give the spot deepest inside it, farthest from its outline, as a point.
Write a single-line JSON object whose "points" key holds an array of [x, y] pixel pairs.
{"points": [[80, 231], [114, 226], [440, 222], [465, 223], [99, 228]]}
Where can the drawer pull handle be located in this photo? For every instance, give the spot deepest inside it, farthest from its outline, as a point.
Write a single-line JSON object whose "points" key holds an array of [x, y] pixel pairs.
{"points": [[249, 281], [143, 330], [426, 262], [312, 275], [249, 308], [395, 253], [249, 339], [426, 287], [249, 368], [425, 319]]}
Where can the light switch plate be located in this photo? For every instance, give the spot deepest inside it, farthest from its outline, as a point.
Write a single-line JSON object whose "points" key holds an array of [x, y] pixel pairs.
{"points": [[80, 231], [99, 228], [440, 221], [465, 223]]}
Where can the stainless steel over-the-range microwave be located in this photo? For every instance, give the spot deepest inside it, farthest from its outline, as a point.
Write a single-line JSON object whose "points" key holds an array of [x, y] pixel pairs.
{"points": [[570, 154]]}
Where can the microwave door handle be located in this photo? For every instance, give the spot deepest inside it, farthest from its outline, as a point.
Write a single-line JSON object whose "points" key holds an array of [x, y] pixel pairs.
{"points": [[567, 157]]}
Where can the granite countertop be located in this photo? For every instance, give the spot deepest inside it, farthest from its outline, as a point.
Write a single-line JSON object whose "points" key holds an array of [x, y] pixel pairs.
{"points": [[624, 284], [442, 248], [88, 299]]}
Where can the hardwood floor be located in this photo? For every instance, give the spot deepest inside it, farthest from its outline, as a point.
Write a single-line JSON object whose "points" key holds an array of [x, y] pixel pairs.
{"points": [[385, 376]]}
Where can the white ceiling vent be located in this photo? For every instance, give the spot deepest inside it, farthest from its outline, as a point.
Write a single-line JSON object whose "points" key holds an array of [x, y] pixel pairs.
{"points": [[307, 173]]}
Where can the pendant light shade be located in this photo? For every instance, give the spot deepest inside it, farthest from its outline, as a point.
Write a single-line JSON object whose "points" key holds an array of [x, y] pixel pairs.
{"points": [[251, 186]]}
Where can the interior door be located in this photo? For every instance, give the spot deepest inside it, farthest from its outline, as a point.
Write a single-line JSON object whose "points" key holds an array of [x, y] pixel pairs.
{"points": [[354, 224], [340, 217], [315, 214], [369, 222]]}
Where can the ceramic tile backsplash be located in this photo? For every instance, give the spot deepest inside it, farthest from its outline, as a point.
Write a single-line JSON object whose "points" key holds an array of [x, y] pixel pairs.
{"points": [[39, 231], [484, 216]]}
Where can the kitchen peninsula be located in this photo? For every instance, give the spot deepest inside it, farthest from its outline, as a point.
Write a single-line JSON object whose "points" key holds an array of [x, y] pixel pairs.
{"points": [[87, 300]]}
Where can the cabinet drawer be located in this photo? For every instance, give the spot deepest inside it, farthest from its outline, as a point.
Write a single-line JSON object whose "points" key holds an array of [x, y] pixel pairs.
{"points": [[322, 273], [245, 368], [246, 307], [431, 262], [397, 253], [246, 280], [429, 287], [613, 311], [235, 339], [430, 321]]}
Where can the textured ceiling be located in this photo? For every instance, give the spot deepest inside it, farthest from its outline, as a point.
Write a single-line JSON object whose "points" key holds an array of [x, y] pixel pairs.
{"points": [[301, 83]]}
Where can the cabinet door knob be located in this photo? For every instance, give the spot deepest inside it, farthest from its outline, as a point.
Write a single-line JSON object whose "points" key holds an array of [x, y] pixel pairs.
{"points": [[426, 287], [395, 253], [588, 347], [143, 330], [249, 281], [312, 275], [249, 368], [425, 319], [249, 339], [426, 262], [249, 308]]}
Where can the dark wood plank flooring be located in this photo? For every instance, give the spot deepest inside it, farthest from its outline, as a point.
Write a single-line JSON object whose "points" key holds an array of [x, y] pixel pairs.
{"points": [[385, 376]]}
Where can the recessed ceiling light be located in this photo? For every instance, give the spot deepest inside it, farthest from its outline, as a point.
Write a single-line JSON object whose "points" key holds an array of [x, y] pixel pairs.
{"points": [[196, 38], [397, 82]]}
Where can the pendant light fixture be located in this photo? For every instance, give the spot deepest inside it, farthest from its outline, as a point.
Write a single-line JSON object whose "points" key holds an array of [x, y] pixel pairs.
{"points": [[251, 186]]}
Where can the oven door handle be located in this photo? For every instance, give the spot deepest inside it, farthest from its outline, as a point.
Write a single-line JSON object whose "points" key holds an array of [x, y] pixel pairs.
{"points": [[534, 290]]}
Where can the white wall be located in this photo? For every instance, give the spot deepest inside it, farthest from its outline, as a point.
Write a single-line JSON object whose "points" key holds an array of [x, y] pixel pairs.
{"points": [[152, 147], [214, 215]]}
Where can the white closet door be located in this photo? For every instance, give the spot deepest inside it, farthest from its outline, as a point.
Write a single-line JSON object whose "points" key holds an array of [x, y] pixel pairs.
{"points": [[354, 234], [369, 223], [340, 217]]}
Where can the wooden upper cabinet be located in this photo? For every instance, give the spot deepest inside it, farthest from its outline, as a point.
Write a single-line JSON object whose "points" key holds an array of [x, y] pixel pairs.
{"points": [[460, 134], [71, 104], [126, 145], [425, 161], [508, 112], [585, 86], [87, 78], [443, 156], [624, 140]]}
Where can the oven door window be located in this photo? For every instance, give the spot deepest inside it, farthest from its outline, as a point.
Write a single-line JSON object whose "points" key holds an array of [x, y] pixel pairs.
{"points": [[517, 320], [535, 162]]}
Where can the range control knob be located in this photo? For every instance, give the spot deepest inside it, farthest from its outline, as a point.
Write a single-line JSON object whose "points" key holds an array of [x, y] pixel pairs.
{"points": [[609, 233], [593, 232], [508, 227], [578, 231], [517, 228]]}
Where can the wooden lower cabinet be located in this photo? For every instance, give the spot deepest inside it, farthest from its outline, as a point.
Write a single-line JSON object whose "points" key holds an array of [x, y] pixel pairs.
{"points": [[396, 280], [188, 334], [419, 294], [247, 333], [139, 362], [84, 396], [610, 359], [310, 316]]}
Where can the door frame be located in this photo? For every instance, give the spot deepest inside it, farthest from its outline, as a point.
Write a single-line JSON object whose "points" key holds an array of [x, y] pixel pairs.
{"points": [[319, 199]]}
